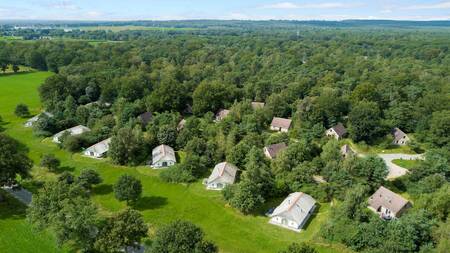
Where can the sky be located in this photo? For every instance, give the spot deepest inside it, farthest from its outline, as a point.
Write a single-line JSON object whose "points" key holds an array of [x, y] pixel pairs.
{"points": [[224, 9]]}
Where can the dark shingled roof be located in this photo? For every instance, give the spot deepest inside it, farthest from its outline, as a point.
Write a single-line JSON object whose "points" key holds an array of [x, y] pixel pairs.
{"points": [[145, 118], [340, 129], [274, 149]]}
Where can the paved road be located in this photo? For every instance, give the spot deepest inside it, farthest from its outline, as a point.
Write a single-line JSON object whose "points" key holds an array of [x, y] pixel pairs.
{"points": [[395, 170], [22, 194]]}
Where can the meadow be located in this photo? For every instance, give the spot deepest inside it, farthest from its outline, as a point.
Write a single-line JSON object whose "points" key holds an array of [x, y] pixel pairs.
{"points": [[160, 203]]}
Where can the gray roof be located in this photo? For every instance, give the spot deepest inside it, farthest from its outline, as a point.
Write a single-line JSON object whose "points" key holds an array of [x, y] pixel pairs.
{"points": [[295, 207], [181, 124], [281, 122], [388, 199], [222, 114], [76, 130], [398, 134], [224, 172], [274, 149], [101, 147], [346, 150], [163, 152], [36, 118], [339, 129]]}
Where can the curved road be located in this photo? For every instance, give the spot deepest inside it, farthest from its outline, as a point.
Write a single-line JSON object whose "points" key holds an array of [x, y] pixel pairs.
{"points": [[395, 170]]}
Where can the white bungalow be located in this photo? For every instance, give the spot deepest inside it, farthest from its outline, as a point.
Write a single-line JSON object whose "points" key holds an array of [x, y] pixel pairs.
{"points": [[98, 150], [33, 120], [77, 130], [163, 156], [338, 131], [222, 175], [294, 211]]}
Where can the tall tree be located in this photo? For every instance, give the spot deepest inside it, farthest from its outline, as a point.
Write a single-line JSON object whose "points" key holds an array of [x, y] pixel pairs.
{"points": [[121, 232], [13, 161], [365, 123], [128, 188], [181, 237]]}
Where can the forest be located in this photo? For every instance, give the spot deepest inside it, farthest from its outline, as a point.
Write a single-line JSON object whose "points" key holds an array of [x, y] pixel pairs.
{"points": [[371, 80]]}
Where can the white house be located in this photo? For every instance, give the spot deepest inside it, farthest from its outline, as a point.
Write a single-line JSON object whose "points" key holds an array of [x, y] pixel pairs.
{"points": [[33, 120], [400, 138], [280, 124], [294, 211], [163, 156], [98, 150], [338, 131], [387, 204], [76, 130], [222, 175]]}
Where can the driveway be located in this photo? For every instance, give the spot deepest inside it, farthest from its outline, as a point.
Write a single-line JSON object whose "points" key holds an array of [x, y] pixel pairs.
{"points": [[21, 194], [395, 170]]}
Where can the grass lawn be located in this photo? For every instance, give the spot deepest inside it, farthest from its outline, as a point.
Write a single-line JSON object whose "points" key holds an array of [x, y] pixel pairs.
{"points": [[379, 148], [407, 164], [160, 203]]}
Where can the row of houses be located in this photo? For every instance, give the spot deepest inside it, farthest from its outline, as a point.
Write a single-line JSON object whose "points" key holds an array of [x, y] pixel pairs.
{"points": [[295, 210], [339, 131]]}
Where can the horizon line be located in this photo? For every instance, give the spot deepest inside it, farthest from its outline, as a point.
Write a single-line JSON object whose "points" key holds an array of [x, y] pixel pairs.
{"points": [[206, 19]]}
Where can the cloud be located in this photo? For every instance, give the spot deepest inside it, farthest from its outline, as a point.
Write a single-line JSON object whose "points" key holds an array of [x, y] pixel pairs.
{"points": [[440, 5], [325, 5], [63, 5], [283, 5]]}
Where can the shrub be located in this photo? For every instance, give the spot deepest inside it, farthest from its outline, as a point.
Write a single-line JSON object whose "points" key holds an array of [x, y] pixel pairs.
{"points": [[22, 111], [50, 162]]}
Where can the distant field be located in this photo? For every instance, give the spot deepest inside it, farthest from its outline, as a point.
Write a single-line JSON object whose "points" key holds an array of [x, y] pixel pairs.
{"points": [[22, 69], [10, 38], [161, 202], [131, 27]]}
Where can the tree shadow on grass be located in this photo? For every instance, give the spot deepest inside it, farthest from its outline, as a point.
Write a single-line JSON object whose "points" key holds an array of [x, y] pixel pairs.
{"points": [[11, 208], [149, 202], [64, 169], [103, 189]]}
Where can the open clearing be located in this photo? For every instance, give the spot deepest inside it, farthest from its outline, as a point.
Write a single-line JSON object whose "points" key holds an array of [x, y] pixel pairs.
{"points": [[160, 203]]}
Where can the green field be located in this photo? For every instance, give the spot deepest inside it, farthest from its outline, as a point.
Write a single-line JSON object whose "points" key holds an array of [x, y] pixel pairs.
{"points": [[160, 202], [10, 38]]}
